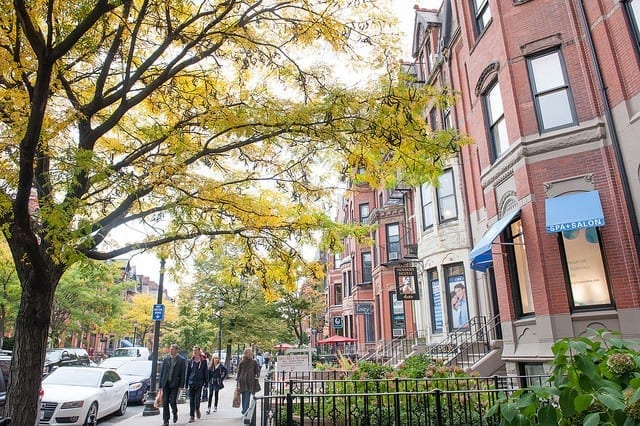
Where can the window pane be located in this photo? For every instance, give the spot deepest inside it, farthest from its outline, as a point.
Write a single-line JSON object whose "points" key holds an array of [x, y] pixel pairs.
{"points": [[427, 214], [448, 208], [364, 213], [555, 109], [427, 206], [547, 72], [586, 268], [482, 12], [500, 138], [445, 183], [494, 101], [635, 12], [522, 268], [366, 267]]}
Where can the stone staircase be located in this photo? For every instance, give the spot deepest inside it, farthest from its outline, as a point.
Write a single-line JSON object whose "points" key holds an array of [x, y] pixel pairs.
{"points": [[476, 348]]}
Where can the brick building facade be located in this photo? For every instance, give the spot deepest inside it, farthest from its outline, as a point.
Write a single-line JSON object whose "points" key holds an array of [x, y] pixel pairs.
{"points": [[537, 221]]}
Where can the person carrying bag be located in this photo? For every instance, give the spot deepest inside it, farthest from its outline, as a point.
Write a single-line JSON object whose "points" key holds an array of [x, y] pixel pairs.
{"points": [[248, 378]]}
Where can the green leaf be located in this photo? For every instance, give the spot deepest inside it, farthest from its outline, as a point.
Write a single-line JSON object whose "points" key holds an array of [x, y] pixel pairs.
{"points": [[526, 399], [586, 365], [547, 416], [611, 402], [582, 402], [592, 419], [509, 412], [566, 402]]}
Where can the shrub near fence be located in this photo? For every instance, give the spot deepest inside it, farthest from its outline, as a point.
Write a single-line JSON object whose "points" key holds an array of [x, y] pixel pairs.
{"points": [[300, 399]]}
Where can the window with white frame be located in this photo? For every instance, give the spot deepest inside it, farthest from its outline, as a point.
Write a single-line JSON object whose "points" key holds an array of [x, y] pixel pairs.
{"points": [[427, 206], [499, 140], [584, 268], [447, 208], [364, 213], [633, 12], [482, 14], [393, 242], [366, 266], [551, 92], [519, 269]]}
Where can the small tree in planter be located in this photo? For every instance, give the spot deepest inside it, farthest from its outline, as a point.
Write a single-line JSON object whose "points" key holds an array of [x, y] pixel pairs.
{"points": [[594, 381]]}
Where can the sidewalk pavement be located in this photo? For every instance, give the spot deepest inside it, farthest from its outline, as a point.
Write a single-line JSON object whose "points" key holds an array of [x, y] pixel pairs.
{"points": [[226, 415]]}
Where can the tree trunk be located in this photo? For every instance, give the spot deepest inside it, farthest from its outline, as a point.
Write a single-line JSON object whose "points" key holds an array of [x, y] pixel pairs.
{"points": [[31, 331]]}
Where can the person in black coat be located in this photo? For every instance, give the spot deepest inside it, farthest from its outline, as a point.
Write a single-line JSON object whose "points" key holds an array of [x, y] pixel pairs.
{"points": [[172, 376], [217, 374], [197, 376]]}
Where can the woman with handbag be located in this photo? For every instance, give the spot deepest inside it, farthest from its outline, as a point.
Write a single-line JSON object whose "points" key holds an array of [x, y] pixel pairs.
{"points": [[248, 378], [217, 374]]}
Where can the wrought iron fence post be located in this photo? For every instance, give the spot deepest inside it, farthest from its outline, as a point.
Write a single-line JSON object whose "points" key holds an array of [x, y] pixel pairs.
{"points": [[438, 394], [396, 401], [289, 408]]}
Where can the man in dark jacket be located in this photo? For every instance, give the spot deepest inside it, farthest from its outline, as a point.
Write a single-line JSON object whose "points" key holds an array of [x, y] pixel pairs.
{"points": [[172, 377], [197, 376]]}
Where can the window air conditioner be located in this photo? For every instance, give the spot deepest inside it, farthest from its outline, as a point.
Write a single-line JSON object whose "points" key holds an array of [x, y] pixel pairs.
{"points": [[393, 255], [398, 332]]}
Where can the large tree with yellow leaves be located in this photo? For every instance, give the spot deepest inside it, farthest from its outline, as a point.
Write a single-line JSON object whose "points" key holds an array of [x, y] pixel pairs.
{"points": [[187, 119]]}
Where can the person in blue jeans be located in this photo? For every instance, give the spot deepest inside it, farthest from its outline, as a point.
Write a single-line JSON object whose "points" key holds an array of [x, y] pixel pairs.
{"points": [[197, 376], [248, 378]]}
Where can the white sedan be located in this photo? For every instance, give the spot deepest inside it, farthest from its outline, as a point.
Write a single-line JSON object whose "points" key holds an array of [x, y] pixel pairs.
{"points": [[82, 395]]}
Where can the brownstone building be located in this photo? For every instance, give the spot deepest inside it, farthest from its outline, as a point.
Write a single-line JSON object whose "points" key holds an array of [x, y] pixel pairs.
{"points": [[535, 225], [549, 91]]}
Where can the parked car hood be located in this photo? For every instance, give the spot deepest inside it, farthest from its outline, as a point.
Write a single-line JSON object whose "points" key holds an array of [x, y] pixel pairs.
{"points": [[132, 378], [61, 393]]}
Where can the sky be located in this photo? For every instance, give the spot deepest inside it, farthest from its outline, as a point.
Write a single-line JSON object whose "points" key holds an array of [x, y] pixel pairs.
{"points": [[149, 264]]}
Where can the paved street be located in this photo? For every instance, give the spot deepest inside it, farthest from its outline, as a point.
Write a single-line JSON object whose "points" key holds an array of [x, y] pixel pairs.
{"points": [[226, 415]]}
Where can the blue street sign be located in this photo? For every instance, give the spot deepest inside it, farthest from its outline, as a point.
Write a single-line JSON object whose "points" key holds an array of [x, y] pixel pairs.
{"points": [[158, 312]]}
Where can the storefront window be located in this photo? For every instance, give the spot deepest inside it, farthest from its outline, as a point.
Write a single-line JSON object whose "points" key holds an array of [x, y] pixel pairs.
{"points": [[585, 268]]}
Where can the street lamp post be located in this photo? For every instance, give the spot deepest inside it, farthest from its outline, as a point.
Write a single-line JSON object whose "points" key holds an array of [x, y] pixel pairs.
{"points": [[135, 332], [149, 409], [220, 305]]}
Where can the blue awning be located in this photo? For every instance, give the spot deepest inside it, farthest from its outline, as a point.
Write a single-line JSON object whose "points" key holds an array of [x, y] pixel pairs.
{"points": [[481, 257], [574, 211]]}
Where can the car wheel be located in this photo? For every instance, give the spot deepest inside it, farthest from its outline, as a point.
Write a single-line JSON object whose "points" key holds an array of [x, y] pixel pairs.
{"points": [[92, 415], [123, 405]]}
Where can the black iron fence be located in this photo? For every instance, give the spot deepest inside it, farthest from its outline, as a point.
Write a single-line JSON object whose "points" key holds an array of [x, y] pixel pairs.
{"points": [[328, 398]]}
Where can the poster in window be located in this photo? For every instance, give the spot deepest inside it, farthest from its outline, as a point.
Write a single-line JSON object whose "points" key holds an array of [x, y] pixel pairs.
{"points": [[436, 307], [406, 283], [459, 307]]}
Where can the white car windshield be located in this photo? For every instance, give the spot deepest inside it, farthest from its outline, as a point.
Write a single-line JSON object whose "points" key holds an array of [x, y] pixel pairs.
{"points": [[126, 352], [74, 377]]}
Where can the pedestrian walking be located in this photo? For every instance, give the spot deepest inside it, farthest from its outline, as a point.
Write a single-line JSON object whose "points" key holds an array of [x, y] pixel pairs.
{"points": [[197, 376], [248, 378], [267, 359], [205, 387], [172, 375], [217, 374]]}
